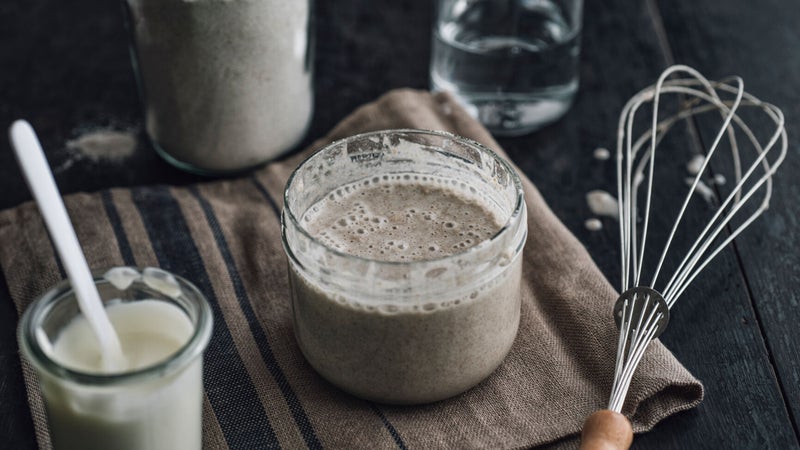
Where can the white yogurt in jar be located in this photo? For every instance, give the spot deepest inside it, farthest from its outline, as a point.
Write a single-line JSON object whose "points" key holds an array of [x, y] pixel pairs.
{"points": [[162, 411]]}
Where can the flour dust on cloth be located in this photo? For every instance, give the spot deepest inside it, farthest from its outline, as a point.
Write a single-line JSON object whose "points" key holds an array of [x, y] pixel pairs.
{"points": [[260, 392]]}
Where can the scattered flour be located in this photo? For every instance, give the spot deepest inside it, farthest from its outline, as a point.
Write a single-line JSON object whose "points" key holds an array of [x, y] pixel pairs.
{"points": [[99, 145], [602, 203], [695, 164], [593, 224], [706, 192], [104, 145], [601, 154], [638, 178]]}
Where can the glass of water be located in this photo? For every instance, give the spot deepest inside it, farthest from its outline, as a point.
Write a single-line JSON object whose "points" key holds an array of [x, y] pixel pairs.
{"points": [[512, 63]]}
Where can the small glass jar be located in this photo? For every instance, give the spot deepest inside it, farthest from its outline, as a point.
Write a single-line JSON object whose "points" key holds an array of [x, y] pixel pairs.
{"points": [[225, 85], [154, 407], [405, 332], [513, 64]]}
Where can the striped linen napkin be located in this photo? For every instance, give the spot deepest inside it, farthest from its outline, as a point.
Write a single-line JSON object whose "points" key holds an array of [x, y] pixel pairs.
{"points": [[259, 391]]}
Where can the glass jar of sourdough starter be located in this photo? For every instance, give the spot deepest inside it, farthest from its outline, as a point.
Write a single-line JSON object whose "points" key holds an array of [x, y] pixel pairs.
{"points": [[404, 251], [159, 318], [226, 84]]}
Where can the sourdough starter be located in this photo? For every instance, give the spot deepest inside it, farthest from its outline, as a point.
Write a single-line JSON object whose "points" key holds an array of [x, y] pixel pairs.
{"points": [[406, 349], [226, 83]]}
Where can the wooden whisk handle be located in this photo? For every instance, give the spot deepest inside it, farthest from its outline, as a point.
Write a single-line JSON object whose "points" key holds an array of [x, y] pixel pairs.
{"points": [[606, 430]]}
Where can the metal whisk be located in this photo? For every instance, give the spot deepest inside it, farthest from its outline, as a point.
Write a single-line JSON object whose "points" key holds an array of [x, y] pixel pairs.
{"points": [[642, 310]]}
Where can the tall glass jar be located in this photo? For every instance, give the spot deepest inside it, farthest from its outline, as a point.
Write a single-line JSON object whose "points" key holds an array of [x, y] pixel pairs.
{"points": [[226, 84], [416, 330], [158, 406]]}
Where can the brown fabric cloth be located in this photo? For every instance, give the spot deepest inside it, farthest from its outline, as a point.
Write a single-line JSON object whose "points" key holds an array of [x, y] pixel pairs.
{"points": [[228, 236]]}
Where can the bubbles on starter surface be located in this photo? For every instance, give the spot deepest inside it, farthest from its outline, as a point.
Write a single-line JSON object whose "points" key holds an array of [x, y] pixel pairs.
{"points": [[402, 218]]}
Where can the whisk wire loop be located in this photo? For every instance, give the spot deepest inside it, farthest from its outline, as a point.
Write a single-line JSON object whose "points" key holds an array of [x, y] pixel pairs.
{"points": [[642, 311]]}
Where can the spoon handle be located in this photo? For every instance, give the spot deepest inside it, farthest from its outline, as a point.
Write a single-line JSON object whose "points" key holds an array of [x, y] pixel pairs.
{"points": [[41, 183]]}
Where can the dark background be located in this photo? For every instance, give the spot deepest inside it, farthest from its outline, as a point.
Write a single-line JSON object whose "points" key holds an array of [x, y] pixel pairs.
{"points": [[64, 66]]}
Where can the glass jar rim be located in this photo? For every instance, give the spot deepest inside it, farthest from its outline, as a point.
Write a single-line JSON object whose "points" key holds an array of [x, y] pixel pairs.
{"points": [[29, 342], [516, 212]]}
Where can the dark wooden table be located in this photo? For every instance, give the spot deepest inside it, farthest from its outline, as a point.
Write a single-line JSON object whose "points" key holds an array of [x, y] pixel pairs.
{"points": [[65, 67]]}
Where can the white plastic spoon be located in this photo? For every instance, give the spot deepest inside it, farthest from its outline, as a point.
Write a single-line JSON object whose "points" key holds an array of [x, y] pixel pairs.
{"points": [[41, 183]]}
